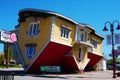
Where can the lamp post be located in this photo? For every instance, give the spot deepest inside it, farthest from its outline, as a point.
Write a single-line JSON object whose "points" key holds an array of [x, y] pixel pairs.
{"points": [[112, 34]]}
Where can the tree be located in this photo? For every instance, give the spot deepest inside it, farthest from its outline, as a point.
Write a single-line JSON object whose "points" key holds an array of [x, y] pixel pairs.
{"points": [[10, 54], [118, 60], [110, 61], [2, 58]]}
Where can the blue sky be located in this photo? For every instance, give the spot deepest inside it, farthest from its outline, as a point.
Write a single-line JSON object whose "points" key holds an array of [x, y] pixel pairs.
{"points": [[92, 12]]}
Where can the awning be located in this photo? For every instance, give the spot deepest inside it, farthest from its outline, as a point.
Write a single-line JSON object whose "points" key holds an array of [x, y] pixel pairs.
{"points": [[94, 59]]}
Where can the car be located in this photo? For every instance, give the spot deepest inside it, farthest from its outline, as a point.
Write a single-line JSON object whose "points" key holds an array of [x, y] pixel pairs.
{"points": [[110, 66], [118, 66]]}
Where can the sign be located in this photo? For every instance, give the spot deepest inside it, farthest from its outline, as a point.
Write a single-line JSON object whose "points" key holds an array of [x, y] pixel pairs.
{"points": [[117, 38], [109, 39], [50, 69], [7, 36]]}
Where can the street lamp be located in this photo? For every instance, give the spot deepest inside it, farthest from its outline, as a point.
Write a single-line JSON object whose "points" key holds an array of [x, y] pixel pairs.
{"points": [[112, 33]]}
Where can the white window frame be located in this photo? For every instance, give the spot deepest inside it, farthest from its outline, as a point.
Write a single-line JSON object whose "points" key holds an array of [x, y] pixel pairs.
{"points": [[80, 54], [34, 29], [94, 43], [65, 32], [80, 34], [30, 51]]}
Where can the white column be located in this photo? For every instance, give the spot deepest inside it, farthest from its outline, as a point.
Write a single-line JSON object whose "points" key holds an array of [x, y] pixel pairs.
{"points": [[76, 34], [87, 37], [52, 27]]}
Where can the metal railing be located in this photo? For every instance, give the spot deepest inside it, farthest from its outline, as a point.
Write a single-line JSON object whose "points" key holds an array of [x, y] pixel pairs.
{"points": [[6, 75]]}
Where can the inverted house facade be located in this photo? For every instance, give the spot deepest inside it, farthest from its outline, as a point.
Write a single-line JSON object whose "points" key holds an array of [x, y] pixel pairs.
{"points": [[47, 38]]}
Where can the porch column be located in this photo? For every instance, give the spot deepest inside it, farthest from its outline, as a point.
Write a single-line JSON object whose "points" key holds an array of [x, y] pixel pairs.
{"points": [[76, 32]]}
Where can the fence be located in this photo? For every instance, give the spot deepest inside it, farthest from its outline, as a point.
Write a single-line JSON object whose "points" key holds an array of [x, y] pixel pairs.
{"points": [[6, 75]]}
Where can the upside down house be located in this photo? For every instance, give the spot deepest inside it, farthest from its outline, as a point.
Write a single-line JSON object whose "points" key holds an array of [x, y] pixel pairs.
{"points": [[47, 38]]}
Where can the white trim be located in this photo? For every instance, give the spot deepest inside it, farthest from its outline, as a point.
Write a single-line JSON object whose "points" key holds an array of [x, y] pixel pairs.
{"points": [[76, 33], [52, 27], [81, 54], [86, 38], [27, 51], [64, 28], [85, 32], [37, 56], [81, 36], [83, 27], [48, 12], [94, 41], [84, 43], [32, 27], [62, 43]]}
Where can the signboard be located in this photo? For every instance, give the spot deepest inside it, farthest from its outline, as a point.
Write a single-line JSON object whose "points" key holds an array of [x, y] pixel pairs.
{"points": [[7, 36], [50, 69], [109, 39], [117, 38]]}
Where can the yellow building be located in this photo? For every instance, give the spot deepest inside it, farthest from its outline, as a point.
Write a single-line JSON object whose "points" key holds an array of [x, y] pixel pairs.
{"points": [[47, 38]]}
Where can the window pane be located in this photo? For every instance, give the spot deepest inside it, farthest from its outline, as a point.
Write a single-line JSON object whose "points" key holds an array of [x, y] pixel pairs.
{"points": [[34, 29], [65, 32], [94, 43], [30, 51], [37, 29], [61, 32]]}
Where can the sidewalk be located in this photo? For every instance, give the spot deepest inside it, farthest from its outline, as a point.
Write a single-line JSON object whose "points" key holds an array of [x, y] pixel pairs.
{"points": [[98, 75], [93, 75], [11, 69]]}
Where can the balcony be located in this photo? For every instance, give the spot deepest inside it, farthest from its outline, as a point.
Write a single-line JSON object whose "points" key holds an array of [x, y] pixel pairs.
{"points": [[83, 43]]}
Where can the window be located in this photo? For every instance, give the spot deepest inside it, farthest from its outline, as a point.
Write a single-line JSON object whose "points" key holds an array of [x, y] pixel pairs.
{"points": [[33, 29], [65, 32], [80, 55], [81, 36], [94, 43], [30, 50]]}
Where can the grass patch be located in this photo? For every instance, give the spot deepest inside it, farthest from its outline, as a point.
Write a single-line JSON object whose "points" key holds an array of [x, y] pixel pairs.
{"points": [[11, 66]]}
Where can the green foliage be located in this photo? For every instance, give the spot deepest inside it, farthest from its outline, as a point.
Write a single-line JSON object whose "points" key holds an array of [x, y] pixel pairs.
{"points": [[11, 66], [2, 58], [10, 54], [118, 60], [110, 61]]}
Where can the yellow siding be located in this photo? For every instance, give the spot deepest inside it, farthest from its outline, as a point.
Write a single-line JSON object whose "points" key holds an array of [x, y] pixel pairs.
{"points": [[76, 52], [56, 32], [40, 40], [99, 46]]}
